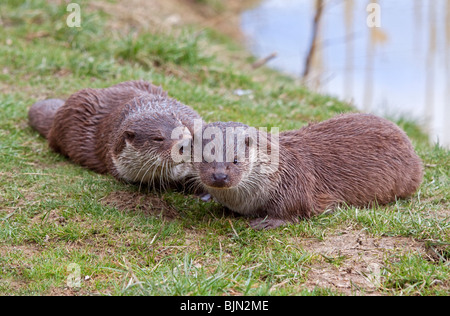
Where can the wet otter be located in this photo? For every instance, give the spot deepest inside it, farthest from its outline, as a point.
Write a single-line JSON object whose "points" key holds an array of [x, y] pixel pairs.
{"points": [[353, 159], [125, 130]]}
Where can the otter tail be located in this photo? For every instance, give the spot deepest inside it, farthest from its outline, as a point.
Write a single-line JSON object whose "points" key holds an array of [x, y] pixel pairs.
{"points": [[42, 113]]}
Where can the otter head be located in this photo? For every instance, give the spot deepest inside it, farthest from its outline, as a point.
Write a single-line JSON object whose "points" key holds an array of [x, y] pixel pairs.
{"points": [[228, 155], [238, 164], [150, 147]]}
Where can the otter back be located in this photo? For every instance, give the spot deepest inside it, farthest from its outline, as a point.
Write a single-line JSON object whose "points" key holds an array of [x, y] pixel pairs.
{"points": [[124, 130], [353, 159], [42, 113], [75, 126]]}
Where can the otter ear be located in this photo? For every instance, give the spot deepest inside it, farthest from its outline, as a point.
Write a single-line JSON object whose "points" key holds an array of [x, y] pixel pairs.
{"points": [[129, 135]]}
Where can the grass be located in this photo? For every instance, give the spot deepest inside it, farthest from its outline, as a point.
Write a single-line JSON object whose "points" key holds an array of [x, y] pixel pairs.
{"points": [[53, 213]]}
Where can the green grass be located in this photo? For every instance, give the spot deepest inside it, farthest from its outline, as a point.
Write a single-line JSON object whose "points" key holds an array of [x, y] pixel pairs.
{"points": [[52, 212]]}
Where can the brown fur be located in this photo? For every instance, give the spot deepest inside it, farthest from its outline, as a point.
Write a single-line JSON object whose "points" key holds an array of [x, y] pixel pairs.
{"points": [[95, 127], [42, 113], [354, 159]]}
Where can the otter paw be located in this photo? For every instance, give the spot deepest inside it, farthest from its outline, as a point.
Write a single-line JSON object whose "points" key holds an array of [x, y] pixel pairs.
{"points": [[205, 197], [266, 223]]}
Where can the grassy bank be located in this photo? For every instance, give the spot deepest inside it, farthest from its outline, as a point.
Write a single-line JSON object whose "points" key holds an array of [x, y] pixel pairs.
{"points": [[58, 219]]}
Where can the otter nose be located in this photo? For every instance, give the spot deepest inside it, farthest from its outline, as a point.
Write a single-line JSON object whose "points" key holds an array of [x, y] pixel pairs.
{"points": [[221, 177]]}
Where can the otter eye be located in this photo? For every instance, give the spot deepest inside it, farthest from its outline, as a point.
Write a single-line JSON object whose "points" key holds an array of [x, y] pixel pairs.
{"points": [[129, 135]]}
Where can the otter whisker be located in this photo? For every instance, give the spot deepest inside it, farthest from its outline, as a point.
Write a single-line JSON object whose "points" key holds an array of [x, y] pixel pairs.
{"points": [[150, 168], [152, 163], [153, 174], [120, 130], [144, 165]]}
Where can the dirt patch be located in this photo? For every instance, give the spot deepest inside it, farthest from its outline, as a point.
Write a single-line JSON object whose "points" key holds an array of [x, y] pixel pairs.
{"points": [[139, 202], [353, 261], [13, 266], [52, 216], [28, 250], [437, 251]]}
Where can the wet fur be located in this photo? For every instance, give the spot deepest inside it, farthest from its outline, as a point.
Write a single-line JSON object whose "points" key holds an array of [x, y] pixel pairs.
{"points": [[113, 130], [42, 113], [353, 159]]}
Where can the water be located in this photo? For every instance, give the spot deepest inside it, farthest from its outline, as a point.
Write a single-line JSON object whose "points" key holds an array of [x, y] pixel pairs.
{"points": [[409, 75]]}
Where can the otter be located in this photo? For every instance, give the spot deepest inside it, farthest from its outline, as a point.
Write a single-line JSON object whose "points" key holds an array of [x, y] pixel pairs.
{"points": [[125, 130], [352, 159]]}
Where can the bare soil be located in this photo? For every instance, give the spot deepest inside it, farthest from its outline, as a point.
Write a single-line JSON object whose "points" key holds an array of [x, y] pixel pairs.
{"points": [[356, 260], [145, 203]]}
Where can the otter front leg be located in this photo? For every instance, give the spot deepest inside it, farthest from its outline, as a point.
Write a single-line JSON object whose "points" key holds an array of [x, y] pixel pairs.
{"points": [[204, 196], [262, 223]]}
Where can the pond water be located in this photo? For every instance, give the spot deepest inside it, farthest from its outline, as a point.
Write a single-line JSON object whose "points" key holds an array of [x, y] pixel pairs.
{"points": [[400, 69]]}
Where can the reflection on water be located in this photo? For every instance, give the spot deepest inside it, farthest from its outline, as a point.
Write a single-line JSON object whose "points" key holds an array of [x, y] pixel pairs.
{"points": [[399, 69]]}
